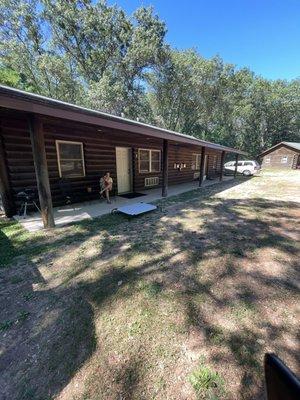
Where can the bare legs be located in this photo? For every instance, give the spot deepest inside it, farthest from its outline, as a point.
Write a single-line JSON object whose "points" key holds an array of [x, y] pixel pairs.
{"points": [[106, 190], [107, 196]]}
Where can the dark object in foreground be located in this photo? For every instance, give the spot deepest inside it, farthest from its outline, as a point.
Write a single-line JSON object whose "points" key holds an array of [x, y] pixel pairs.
{"points": [[281, 383]]}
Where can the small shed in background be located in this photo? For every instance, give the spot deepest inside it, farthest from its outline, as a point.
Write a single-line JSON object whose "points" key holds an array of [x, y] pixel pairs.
{"points": [[285, 155]]}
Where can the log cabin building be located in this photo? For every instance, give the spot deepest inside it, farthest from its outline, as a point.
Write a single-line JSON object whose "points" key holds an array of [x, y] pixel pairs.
{"points": [[44, 142], [284, 155]]}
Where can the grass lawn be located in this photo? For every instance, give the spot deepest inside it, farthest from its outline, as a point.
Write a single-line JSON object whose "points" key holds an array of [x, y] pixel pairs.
{"points": [[178, 304]]}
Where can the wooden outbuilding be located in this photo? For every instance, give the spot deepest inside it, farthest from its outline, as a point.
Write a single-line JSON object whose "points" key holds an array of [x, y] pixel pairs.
{"points": [[284, 155], [44, 141]]}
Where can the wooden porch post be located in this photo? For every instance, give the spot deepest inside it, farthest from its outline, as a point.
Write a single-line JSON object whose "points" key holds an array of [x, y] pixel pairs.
{"points": [[165, 171], [236, 164], [202, 165], [5, 189], [222, 165], [41, 170]]}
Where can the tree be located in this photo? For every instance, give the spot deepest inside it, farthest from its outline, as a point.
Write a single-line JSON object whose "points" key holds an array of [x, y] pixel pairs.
{"points": [[92, 54]]}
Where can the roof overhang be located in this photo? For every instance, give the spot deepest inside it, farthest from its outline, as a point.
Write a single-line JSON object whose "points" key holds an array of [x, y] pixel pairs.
{"points": [[19, 100]]}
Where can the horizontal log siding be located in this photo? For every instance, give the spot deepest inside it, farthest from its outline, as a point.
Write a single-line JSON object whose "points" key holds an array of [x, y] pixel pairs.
{"points": [[214, 164], [18, 152], [99, 155], [276, 156]]}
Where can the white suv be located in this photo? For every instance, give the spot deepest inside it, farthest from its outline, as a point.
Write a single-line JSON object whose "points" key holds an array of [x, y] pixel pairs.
{"points": [[246, 167]]}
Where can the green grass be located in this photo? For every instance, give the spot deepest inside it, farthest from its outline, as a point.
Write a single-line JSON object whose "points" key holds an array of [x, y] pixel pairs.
{"points": [[4, 326], [22, 316], [131, 304], [207, 383], [243, 310], [152, 289], [16, 241]]}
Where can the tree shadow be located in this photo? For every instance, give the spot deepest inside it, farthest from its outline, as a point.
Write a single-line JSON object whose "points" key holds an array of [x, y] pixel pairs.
{"points": [[63, 324], [51, 336]]}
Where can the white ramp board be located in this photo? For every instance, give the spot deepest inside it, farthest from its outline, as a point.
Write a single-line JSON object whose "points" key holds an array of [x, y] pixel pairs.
{"points": [[137, 208]]}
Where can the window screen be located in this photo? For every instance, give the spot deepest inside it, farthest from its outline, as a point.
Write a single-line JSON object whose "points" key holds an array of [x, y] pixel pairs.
{"points": [[70, 159], [149, 160]]}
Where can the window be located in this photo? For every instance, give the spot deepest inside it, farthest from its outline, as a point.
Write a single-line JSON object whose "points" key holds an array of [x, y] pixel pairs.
{"points": [[196, 161], [267, 160], [240, 163], [248, 163], [70, 159], [284, 159], [149, 160]]}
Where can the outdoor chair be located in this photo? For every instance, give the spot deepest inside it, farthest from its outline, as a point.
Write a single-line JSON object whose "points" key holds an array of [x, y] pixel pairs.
{"points": [[27, 198]]}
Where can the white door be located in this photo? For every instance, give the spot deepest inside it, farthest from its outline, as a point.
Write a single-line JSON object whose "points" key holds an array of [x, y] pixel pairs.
{"points": [[123, 157]]}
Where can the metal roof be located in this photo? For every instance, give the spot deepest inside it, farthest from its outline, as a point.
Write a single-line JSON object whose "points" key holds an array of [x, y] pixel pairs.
{"points": [[292, 145], [16, 99]]}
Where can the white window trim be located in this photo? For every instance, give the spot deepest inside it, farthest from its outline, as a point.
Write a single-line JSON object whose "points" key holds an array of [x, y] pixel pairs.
{"points": [[267, 160], [284, 159], [57, 142], [150, 161]]}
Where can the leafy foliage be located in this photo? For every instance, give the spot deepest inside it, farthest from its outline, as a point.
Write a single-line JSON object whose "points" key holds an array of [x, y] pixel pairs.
{"points": [[94, 54]]}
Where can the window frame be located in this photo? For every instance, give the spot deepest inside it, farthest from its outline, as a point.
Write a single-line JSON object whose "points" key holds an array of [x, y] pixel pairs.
{"points": [[286, 158], [57, 142], [150, 151]]}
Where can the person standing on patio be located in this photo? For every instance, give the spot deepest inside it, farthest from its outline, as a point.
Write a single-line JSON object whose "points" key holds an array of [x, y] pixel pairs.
{"points": [[106, 184]]}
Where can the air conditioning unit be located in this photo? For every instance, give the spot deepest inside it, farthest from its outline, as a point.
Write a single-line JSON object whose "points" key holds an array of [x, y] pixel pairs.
{"points": [[153, 181], [196, 175]]}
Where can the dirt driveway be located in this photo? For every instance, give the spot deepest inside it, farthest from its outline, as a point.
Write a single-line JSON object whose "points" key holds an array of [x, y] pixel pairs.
{"points": [[179, 304]]}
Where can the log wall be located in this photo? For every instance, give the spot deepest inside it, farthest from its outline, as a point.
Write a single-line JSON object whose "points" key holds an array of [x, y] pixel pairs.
{"points": [[99, 152]]}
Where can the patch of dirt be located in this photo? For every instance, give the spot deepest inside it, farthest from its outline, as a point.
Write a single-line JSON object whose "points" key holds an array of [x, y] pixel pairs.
{"points": [[128, 311]]}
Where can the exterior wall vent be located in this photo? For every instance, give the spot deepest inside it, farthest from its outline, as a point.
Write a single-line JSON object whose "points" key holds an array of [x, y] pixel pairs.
{"points": [[153, 181]]}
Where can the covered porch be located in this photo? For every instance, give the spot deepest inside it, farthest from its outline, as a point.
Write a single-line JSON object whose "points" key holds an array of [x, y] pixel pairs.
{"points": [[87, 210], [55, 148]]}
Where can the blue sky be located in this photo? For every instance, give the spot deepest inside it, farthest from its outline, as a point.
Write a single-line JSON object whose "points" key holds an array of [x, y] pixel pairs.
{"points": [[263, 35]]}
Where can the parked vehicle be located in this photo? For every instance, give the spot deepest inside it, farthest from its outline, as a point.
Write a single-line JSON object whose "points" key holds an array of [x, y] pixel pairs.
{"points": [[245, 167]]}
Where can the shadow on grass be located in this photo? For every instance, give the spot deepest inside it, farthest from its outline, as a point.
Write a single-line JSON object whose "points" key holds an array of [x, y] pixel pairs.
{"points": [[233, 228], [52, 340]]}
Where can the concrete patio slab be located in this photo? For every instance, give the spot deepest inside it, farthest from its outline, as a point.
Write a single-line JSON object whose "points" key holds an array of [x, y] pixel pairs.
{"points": [[87, 210]]}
